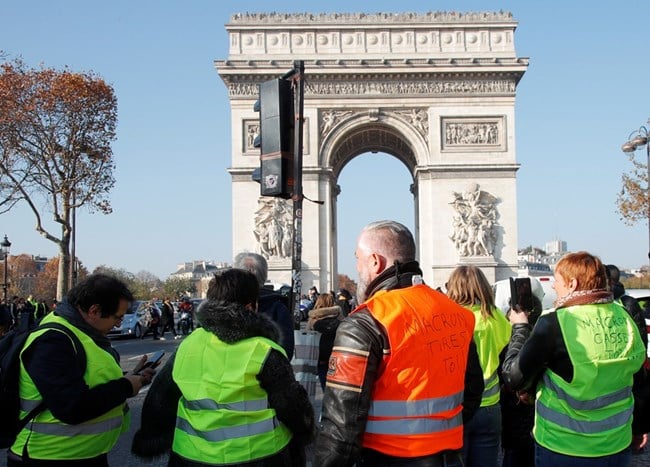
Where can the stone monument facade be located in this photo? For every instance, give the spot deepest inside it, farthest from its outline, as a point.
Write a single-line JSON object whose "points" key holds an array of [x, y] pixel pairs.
{"points": [[435, 90]]}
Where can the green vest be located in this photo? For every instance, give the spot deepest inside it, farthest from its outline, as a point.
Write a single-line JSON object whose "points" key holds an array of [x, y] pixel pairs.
{"points": [[51, 439], [223, 415], [592, 415], [491, 336]]}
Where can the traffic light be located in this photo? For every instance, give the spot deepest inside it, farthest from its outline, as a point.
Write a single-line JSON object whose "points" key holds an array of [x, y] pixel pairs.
{"points": [[275, 138]]}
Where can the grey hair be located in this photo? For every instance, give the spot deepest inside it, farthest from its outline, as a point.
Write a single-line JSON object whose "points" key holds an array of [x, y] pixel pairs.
{"points": [[395, 240], [252, 262]]}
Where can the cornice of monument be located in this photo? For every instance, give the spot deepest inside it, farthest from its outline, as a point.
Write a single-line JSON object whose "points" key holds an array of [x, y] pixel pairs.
{"points": [[370, 18], [390, 63], [360, 36]]}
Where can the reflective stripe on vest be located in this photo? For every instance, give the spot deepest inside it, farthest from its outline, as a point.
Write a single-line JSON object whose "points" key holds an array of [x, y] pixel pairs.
{"points": [[586, 426], [48, 438], [223, 416], [87, 428], [591, 416], [492, 387], [417, 408], [229, 432], [417, 398], [244, 406], [403, 411], [413, 426]]}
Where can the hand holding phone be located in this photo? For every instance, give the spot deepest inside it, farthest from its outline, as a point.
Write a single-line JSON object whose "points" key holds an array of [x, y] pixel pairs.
{"points": [[521, 294], [151, 362]]}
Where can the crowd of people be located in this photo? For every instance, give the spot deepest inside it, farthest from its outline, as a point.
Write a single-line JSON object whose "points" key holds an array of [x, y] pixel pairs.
{"points": [[411, 375], [20, 309]]}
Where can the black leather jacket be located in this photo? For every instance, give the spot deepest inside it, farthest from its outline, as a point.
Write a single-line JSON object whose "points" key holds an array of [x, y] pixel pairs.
{"points": [[345, 412]]}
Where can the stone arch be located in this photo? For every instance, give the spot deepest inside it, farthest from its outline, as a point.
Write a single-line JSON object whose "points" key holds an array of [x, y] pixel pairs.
{"points": [[435, 90], [368, 132]]}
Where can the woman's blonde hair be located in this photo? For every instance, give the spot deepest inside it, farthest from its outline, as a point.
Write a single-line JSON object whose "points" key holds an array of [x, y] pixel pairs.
{"points": [[468, 286]]}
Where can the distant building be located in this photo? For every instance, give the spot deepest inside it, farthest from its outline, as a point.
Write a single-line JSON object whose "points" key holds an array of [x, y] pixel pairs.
{"points": [[40, 261], [528, 268], [555, 247], [200, 272], [534, 261]]}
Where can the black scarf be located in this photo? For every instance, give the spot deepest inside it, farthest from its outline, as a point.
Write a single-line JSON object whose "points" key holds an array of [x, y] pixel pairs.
{"points": [[73, 316]]}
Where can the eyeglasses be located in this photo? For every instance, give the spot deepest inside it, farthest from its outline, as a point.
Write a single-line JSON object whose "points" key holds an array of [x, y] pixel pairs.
{"points": [[118, 319]]}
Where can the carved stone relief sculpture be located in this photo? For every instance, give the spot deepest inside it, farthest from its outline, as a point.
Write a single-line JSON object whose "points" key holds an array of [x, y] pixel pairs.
{"points": [[418, 118], [330, 118], [475, 223], [273, 228], [477, 133], [403, 87], [251, 130]]}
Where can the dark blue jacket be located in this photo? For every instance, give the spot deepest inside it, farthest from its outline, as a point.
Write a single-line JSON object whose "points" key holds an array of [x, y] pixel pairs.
{"points": [[273, 305]]}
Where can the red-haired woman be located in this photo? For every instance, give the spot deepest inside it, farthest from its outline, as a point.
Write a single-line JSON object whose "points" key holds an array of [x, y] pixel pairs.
{"points": [[581, 357]]}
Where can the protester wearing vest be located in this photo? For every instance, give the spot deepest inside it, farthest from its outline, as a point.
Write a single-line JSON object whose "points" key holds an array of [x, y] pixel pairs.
{"points": [[228, 396], [468, 286], [582, 357], [83, 417], [397, 388]]}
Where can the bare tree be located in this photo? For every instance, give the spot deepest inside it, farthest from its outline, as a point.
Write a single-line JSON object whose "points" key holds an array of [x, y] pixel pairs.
{"points": [[56, 130]]}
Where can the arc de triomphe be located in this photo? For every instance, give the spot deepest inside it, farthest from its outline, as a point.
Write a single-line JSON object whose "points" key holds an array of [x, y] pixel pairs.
{"points": [[435, 90]]}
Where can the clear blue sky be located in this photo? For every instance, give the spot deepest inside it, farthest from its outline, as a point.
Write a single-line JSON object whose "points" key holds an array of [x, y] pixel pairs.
{"points": [[586, 89]]}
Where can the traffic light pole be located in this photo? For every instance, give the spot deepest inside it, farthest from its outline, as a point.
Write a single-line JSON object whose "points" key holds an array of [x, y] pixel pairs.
{"points": [[298, 73]]}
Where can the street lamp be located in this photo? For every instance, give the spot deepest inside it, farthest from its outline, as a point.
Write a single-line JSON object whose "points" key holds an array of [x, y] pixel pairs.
{"points": [[640, 140], [5, 245]]}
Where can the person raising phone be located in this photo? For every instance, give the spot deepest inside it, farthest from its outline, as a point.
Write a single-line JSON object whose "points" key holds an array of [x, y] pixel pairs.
{"points": [[582, 357]]}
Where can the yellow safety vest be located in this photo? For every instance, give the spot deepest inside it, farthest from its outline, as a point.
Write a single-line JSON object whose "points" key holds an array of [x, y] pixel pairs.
{"points": [[491, 336], [592, 415], [47, 437], [223, 415]]}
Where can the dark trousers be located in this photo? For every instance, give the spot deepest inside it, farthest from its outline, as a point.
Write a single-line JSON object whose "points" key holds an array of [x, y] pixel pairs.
{"points": [[372, 458]]}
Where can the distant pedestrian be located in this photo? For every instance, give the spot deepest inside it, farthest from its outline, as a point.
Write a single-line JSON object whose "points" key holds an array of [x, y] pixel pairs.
{"points": [[152, 320], [186, 315], [168, 318], [271, 303], [325, 319]]}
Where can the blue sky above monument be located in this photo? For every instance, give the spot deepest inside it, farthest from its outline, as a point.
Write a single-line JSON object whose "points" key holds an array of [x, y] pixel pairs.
{"points": [[584, 92]]}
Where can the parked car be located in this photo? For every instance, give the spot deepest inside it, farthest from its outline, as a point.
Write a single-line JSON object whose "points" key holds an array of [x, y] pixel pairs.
{"points": [[135, 320]]}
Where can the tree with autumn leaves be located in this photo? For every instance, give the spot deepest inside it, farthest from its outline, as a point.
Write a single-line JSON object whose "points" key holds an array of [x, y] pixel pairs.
{"points": [[634, 199], [56, 130]]}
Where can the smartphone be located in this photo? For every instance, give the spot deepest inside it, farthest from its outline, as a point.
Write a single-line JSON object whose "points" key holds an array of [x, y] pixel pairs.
{"points": [[521, 294], [153, 361]]}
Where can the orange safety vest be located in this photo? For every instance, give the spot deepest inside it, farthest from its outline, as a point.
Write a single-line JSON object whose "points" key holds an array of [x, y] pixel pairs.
{"points": [[417, 399]]}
